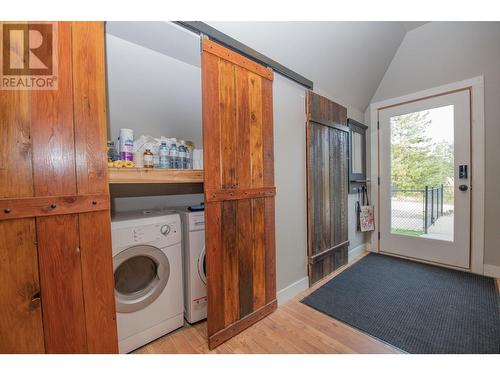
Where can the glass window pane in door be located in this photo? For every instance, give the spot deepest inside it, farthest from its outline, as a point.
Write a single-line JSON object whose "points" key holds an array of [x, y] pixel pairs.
{"points": [[422, 173]]}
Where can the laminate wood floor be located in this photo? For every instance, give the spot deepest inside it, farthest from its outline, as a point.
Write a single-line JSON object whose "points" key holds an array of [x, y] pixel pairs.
{"points": [[292, 328]]}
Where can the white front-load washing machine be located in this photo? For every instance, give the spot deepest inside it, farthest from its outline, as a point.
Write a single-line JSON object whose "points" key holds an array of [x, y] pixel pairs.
{"points": [[195, 268], [147, 265]]}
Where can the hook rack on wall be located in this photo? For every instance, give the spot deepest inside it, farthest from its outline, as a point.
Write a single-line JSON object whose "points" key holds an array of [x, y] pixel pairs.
{"points": [[357, 156]]}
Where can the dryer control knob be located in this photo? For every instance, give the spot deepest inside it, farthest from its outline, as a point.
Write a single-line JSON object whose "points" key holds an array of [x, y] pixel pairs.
{"points": [[165, 229]]}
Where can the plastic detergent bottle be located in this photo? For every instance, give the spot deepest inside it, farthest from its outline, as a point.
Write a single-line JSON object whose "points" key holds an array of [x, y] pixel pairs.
{"points": [[163, 155], [182, 155], [174, 154], [126, 144]]}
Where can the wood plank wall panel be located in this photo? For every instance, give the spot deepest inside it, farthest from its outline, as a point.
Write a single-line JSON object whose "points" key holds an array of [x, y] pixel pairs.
{"points": [[239, 162], [21, 328], [245, 257], [60, 277], [268, 180], [58, 237], [327, 186], [259, 253], [52, 128], [98, 282], [16, 172], [89, 96]]}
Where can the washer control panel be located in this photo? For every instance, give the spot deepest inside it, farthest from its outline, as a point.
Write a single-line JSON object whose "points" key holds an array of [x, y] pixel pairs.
{"points": [[162, 233]]}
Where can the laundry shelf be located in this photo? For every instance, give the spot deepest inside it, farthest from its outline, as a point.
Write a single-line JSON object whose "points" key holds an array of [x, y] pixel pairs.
{"points": [[154, 176]]}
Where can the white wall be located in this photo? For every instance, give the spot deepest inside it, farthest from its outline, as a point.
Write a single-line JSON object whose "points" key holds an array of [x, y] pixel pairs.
{"points": [[152, 93], [152, 202], [290, 178], [443, 52]]}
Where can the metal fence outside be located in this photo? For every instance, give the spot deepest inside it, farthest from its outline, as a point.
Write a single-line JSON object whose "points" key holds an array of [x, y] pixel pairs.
{"points": [[413, 211]]}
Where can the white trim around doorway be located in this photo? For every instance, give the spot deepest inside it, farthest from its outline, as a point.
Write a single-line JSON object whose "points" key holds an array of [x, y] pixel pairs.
{"points": [[476, 87]]}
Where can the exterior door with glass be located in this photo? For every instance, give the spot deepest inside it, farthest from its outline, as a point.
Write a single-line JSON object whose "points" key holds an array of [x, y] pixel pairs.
{"points": [[424, 169]]}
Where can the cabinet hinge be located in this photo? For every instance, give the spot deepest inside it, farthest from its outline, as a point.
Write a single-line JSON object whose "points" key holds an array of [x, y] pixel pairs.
{"points": [[379, 236], [378, 125], [378, 181]]}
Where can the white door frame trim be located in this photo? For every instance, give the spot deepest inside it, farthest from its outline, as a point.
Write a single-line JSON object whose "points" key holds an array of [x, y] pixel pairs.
{"points": [[476, 87]]}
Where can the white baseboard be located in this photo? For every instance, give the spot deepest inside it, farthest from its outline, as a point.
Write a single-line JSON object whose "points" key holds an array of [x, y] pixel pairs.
{"points": [[356, 252], [292, 290], [491, 270]]}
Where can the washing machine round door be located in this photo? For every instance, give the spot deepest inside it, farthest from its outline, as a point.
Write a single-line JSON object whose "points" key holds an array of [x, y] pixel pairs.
{"points": [[202, 266], [141, 273]]}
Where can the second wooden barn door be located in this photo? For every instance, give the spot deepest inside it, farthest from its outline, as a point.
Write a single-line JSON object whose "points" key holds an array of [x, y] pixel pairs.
{"points": [[239, 191], [327, 186]]}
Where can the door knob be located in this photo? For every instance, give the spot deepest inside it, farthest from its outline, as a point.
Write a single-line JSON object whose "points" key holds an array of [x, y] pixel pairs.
{"points": [[463, 187]]}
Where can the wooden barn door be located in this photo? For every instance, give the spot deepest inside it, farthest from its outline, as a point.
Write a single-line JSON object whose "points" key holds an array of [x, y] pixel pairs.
{"points": [[239, 191], [55, 232], [327, 186]]}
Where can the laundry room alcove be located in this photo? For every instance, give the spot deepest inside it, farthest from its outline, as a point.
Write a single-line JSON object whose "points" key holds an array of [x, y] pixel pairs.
{"points": [[154, 98], [158, 76], [153, 89]]}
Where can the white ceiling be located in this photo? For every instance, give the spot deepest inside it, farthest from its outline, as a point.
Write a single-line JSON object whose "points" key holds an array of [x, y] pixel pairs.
{"points": [[166, 38], [410, 25], [345, 60]]}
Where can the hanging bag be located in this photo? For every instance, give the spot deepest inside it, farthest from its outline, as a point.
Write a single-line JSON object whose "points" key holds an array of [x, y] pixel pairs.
{"points": [[366, 221]]}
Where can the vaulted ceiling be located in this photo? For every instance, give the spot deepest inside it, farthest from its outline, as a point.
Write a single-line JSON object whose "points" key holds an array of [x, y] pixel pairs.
{"points": [[345, 60]]}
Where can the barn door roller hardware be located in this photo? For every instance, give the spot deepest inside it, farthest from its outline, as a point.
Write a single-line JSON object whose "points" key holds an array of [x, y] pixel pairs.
{"points": [[231, 43]]}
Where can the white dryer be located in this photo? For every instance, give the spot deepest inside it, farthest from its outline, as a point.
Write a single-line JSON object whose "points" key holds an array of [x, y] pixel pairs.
{"points": [[195, 267], [147, 265]]}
